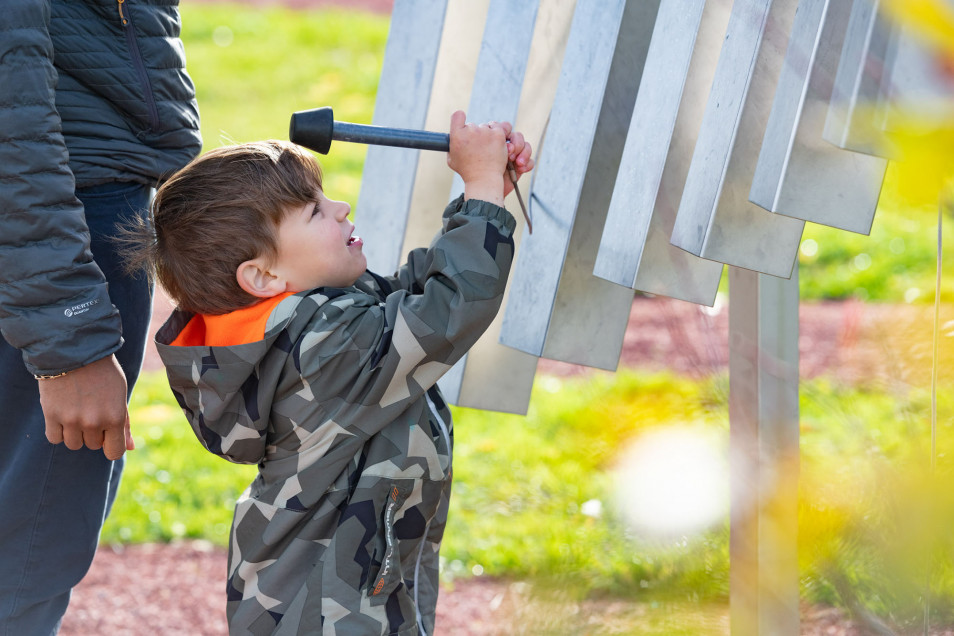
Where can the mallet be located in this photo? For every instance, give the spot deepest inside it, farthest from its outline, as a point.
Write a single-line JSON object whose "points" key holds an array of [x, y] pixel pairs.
{"points": [[316, 128]]}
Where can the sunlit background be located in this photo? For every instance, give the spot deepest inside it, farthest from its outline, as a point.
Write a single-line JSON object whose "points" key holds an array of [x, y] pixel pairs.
{"points": [[605, 509]]}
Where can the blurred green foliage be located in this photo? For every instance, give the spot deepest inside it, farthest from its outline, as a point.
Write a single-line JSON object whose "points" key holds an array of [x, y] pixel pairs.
{"points": [[254, 67], [896, 262]]}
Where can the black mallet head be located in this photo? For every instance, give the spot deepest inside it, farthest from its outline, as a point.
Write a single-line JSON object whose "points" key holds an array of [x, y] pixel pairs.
{"points": [[313, 129]]}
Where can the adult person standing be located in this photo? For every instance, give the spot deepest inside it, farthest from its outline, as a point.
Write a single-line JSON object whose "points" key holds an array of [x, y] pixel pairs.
{"points": [[95, 109]]}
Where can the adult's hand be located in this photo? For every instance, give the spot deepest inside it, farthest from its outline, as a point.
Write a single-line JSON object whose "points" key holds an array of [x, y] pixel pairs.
{"points": [[87, 407]]}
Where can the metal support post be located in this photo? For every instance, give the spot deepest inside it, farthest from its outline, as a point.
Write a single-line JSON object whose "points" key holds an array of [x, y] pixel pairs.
{"points": [[764, 454]]}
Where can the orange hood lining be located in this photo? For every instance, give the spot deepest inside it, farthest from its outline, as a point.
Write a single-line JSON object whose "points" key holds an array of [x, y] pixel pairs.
{"points": [[238, 327]]}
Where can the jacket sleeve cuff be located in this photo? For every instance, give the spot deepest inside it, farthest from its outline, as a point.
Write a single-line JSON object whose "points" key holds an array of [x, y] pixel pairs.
{"points": [[74, 336], [495, 214]]}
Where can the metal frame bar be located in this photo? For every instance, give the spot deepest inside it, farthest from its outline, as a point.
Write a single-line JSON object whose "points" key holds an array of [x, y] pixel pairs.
{"points": [[764, 454]]}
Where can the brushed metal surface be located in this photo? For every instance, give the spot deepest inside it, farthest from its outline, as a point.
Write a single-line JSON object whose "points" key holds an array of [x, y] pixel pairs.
{"points": [[492, 376], [453, 78], [855, 117], [763, 446], [557, 308], [715, 218], [798, 173], [403, 94], [635, 249]]}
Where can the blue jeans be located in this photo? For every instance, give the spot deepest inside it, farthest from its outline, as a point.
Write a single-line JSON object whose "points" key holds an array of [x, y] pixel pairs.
{"points": [[53, 500]]}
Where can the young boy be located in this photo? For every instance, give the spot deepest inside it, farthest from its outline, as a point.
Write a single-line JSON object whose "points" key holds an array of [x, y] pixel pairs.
{"points": [[285, 352]]}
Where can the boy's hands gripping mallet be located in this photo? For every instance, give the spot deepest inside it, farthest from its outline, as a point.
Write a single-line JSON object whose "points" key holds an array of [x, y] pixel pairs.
{"points": [[316, 128]]}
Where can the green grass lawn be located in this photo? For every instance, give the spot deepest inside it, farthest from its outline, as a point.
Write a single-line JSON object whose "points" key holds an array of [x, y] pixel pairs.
{"points": [[253, 68], [539, 497]]}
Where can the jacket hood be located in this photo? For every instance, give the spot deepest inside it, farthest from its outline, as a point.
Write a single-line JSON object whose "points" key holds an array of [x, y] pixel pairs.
{"points": [[336, 366], [217, 386]]}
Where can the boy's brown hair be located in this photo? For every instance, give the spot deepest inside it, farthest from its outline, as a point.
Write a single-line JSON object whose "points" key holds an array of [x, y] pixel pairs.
{"points": [[222, 209]]}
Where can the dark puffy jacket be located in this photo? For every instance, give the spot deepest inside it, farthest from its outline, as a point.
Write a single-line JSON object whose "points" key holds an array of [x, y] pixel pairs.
{"points": [[91, 91]]}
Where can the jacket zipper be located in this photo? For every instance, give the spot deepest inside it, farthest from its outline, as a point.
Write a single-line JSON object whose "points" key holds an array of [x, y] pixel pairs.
{"points": [[420, 552], [440, 422], [417, 580], [134, 52], [389, 554]]}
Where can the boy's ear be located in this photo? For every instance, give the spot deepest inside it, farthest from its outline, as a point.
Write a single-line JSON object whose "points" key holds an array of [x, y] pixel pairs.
{"points": [[254, 278]]}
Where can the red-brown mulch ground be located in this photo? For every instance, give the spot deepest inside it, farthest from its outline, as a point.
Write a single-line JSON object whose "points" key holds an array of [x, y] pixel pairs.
{"points": [[179, 589]]}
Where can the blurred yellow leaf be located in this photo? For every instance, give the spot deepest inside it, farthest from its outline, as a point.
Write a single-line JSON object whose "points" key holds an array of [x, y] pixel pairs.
{"points": [[924, 151], [923, 146], [933, 19]]}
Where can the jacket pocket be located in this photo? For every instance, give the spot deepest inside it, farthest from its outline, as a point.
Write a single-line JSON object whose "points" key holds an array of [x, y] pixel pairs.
{"points": [[389, 574], [135, 54]]}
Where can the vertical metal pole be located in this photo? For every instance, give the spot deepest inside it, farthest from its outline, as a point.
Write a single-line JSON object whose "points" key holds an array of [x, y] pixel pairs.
{"points": [[763, 438]]}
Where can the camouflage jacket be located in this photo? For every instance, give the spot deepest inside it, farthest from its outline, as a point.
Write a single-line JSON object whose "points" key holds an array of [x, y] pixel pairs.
{"points": [[339, 533]]}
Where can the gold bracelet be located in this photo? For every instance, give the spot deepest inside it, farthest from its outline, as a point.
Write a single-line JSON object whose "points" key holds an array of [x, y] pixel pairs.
{"points": [[50, 377]]}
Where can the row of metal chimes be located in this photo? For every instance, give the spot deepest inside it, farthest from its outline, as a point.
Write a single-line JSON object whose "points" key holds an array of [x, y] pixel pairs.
{"points": [[672, 137]]}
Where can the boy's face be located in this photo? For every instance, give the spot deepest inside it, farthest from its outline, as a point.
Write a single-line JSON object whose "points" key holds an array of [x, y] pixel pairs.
{"points": [[316, 247]]}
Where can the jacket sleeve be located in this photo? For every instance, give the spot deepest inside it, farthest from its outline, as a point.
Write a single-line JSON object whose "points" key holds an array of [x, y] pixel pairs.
{"points": [[407, 342], [54, 304], [412, 275]]}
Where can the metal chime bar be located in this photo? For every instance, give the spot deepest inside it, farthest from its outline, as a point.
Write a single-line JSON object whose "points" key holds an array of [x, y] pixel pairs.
{"points": [[715, 218], [405, 87], [635, 249], [492, 376], [855, 116], [550, 36], [504, 52], [557, 308], [918, 85], [453, 78], [798, 173]]}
